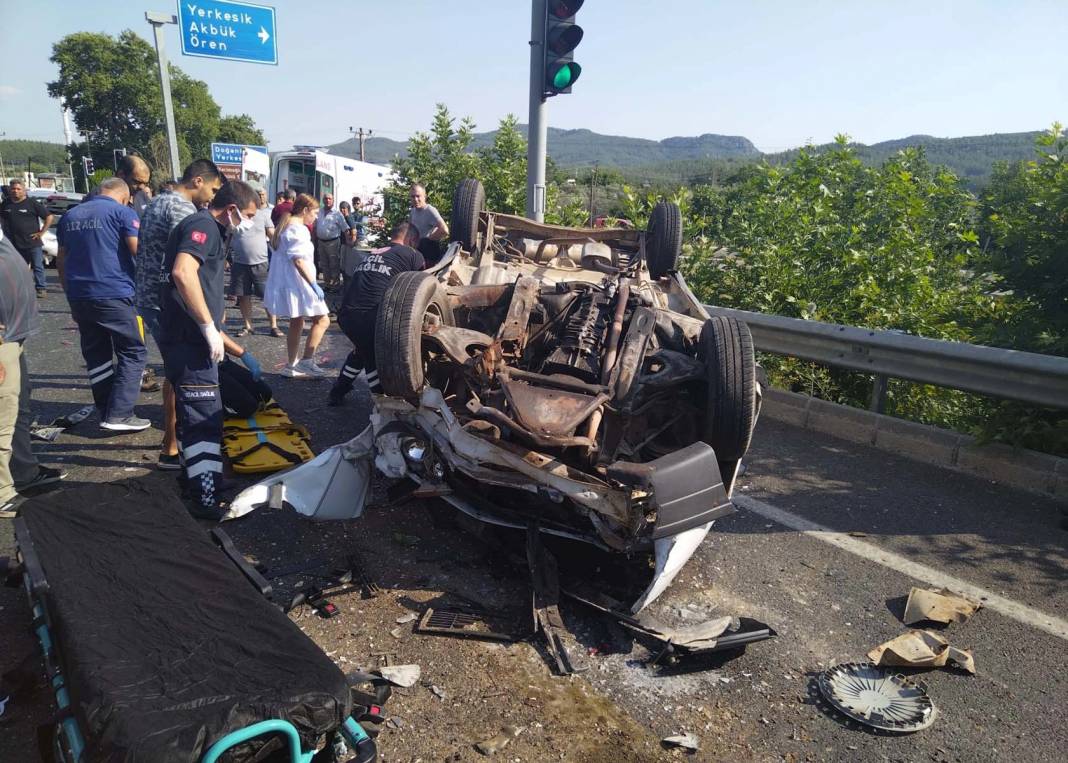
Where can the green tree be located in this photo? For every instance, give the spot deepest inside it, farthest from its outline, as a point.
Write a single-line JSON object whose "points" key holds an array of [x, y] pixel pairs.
{"points": [[239, 128], [112, 88], [1024, 226], [504, 168], [1024, 222], [439, 160]]}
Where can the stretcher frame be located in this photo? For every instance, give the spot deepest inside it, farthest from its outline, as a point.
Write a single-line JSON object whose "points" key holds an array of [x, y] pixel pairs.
{"points": [[68, 743]]}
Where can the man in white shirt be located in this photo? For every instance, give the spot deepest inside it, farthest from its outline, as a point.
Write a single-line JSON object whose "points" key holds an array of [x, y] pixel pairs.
{"points": [[249, 272], [329, 228]]}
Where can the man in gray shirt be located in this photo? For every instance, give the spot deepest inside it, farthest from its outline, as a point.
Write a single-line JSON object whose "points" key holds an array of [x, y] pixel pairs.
{"points": [[249, 271], [428, 221], [19, 320]]}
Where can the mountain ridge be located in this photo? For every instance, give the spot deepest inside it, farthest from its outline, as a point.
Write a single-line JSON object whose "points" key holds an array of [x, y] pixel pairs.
{"points": [[689, 158]]}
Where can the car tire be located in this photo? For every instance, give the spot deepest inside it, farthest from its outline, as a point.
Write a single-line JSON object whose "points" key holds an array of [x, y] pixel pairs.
{"points": [[663, 242], [726, 349], [399, 333], [467, 204]]}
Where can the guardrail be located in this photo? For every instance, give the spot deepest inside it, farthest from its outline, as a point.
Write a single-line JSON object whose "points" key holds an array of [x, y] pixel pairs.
{"points": [[1024, 376]]}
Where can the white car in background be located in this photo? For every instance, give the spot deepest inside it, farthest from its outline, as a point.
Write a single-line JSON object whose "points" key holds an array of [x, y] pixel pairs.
{"points": [[50, 243]]}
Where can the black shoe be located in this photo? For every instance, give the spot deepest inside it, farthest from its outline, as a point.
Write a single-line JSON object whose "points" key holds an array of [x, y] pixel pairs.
{"points": [[10, 509], [210, 512], [335, 398], [169, 463], [46, 475]]}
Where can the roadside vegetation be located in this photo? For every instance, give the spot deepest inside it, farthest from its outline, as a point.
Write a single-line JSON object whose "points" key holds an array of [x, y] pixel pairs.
{"points": [[900, 245]]}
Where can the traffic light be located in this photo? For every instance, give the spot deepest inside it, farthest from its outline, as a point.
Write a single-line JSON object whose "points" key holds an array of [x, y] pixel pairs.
{"points": [[87, 165], [117, 155], [562, 36]]}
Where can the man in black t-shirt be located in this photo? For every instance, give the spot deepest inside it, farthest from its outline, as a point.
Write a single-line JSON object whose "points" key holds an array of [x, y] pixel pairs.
{"points": [[191, 338], [358, 313], [25, 221]]}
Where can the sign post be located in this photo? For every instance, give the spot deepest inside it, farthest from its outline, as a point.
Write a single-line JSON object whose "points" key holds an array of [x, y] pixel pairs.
{"points": [[228, 29], [230, 157], [157, 20], [537, 123]]}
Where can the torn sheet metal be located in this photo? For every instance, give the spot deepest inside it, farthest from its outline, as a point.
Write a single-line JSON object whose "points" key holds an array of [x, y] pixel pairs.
{"points": [[49, 432], [671, 553], [921, 649], [696, 637], [403, 676], [333, 485], [938, 605]]}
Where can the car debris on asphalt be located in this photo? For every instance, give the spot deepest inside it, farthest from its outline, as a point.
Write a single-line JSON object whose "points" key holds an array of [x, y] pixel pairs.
{"points": [[497, 743], [938, 605], [921, 649], [876, 697], [685, 741], [404, 676], [49, 432]]}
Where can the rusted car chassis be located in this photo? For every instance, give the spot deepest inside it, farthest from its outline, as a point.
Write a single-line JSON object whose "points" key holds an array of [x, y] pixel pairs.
{"points": [[590, 388]]}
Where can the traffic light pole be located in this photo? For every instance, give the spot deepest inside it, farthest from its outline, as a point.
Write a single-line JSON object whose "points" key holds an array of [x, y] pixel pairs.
{"points": [[157, 20], [537, 123]]}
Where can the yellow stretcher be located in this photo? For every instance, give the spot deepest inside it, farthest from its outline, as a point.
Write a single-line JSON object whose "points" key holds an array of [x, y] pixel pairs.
{"points": [[266, 442]]}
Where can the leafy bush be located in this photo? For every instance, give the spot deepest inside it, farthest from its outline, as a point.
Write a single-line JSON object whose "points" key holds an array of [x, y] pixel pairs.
{"points": [[896, 247]]}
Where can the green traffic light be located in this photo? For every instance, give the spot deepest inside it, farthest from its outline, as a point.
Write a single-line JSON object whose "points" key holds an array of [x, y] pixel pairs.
{"points": [[566, 75]]}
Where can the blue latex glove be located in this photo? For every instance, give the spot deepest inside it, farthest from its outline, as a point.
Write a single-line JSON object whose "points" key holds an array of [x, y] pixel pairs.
{"points": [[252, 365], [318, 291]]}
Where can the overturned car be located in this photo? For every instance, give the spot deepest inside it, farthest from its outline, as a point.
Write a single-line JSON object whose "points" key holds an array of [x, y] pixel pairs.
{"points": [[560, 377]]}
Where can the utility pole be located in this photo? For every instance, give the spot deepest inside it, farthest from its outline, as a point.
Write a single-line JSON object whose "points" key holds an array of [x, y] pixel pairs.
{"points": [[361, 134], [593, 179], [157, 20], [68, 136], [537, 125]]}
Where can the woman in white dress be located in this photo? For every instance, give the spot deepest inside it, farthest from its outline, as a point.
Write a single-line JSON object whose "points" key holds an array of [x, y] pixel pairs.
{"points": [[291, 291]]}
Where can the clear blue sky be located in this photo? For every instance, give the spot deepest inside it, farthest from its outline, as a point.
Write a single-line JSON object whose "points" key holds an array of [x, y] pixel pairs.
{"points": [[780, 72]]}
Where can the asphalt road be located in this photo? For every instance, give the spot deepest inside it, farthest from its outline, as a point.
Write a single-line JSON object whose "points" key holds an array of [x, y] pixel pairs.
{"points": [[830, 597]]}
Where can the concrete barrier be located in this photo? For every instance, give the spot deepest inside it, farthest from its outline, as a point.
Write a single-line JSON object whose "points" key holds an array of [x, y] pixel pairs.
{"points": [[1026, 469]]}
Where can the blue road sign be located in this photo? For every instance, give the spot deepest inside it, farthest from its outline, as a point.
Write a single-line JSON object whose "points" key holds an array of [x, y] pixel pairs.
{"points": [[235, 31], [232, 153]]}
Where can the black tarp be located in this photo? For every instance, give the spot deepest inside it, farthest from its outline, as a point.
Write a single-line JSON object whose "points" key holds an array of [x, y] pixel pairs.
{"points": [[164, 644]]}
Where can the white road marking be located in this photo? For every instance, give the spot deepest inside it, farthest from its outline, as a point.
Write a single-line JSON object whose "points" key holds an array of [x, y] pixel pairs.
{"points": [[1000, 604]]}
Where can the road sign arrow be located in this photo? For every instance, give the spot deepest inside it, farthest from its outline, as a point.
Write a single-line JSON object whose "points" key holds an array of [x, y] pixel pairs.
{"points": [[263, 35]]}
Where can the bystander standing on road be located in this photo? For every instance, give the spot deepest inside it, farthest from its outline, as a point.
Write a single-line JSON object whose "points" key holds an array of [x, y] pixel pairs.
{"points": [[348, 240], [428, 221], [19, 320], [25, 221], [283, 207], [198, 186], [97, 244], [248, 274], [191, 338], [358, 314], [358, 222], [292, 291], [330, 227]]}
